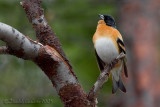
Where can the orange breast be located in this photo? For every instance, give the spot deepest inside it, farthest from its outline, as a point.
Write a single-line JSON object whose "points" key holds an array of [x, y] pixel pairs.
{"points": [[106, 31]]}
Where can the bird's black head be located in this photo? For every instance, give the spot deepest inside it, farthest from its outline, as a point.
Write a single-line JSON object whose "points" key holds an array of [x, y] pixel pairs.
{"points": [[109, 20]]}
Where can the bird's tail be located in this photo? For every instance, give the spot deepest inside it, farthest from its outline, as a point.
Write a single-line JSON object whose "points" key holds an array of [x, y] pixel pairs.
{"points": [[118, 84]]}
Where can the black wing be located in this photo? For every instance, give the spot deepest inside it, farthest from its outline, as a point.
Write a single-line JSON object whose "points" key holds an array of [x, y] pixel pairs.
{"points": [[100, 62], [121, 46], [122, 49]]}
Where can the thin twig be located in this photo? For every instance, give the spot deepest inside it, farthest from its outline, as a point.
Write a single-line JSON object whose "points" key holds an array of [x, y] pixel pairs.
{"points": [[103, 77]]}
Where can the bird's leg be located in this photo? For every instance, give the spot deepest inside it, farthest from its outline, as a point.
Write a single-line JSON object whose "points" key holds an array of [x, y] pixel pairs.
{"points": [[113, 63]]}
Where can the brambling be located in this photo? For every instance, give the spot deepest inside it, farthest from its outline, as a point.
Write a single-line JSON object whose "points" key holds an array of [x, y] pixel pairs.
{"points": [[108, 44]]}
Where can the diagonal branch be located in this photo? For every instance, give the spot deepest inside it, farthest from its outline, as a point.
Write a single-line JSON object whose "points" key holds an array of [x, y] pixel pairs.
{"points": [[17, 44], [44, 33], [52, 59], [103, 77]]}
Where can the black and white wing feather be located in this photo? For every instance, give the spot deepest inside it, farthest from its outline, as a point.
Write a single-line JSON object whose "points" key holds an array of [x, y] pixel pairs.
{"points": [[122, 49]]}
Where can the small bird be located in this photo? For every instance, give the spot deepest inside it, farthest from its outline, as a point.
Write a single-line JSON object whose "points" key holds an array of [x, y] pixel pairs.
{"points": [[108, 44]]}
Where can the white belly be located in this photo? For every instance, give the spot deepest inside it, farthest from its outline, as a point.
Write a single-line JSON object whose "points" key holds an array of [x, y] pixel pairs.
{"points": [[106, 49]]}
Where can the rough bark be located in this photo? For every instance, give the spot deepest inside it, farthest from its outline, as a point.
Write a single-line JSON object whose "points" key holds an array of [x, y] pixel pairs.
{"points": [[17, 44], [52, 59]]}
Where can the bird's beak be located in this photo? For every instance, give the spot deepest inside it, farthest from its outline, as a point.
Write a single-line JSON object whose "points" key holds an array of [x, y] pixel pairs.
{"points": [[101, 16]]}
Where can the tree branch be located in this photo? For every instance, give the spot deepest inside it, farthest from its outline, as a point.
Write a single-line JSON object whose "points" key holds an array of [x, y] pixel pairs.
{"points": [[44, 33], [103, 77], [52, 59], [17, 43]]}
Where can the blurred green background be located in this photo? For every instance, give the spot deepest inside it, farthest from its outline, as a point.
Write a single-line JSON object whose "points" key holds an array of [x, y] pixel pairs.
{"points": [[74, 22]]}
